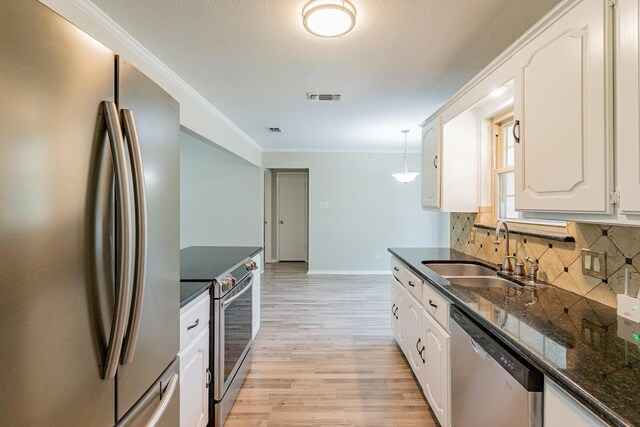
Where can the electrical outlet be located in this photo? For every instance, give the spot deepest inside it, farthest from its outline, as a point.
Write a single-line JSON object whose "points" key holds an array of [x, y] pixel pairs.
{"points": [[472, 236], [594, 264]]}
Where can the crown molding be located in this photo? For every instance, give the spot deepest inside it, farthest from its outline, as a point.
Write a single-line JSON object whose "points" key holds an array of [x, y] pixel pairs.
{"points": [[337, 150], [114, 29], [554, 14]]}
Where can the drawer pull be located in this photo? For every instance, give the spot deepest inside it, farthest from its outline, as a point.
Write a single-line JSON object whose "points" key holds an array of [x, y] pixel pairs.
{"points": [[395, 269], [432, 304], [196, 323], [411, 284], [393, 308]]}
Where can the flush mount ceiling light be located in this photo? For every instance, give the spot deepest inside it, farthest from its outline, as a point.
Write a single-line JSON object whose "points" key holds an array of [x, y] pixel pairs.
{"points": [[329, 18], [405, 176]]}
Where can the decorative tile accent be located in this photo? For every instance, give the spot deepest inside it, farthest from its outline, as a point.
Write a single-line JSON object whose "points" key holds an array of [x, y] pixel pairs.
{"points": [[561, 262]]}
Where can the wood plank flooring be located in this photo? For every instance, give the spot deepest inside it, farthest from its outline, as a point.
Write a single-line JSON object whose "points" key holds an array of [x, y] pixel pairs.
{"points": [[325, 356]]}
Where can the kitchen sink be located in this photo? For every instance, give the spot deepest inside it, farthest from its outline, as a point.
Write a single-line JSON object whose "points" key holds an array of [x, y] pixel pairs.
{"points": [[459, 269], [483, 282]]}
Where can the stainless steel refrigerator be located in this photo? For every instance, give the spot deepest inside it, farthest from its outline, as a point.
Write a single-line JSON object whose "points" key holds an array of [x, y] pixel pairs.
{"points": [[89, 231]]}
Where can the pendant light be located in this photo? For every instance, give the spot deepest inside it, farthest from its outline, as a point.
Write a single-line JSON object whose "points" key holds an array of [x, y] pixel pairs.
{"points": [[405, 176], [329, 18]]}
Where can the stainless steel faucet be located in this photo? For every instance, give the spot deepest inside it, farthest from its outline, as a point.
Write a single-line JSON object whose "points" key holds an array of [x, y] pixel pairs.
{"points": [[506, 264]]}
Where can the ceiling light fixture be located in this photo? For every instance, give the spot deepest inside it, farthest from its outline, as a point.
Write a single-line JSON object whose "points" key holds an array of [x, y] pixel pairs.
{"points": [[329, 18], [405, 176]]}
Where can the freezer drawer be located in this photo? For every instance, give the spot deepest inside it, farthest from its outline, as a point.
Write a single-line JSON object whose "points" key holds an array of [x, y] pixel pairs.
{"points": [[160, 405]]}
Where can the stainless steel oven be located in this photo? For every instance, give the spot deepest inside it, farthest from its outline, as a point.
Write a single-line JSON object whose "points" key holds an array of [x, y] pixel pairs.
{"points": [[231, 336]]}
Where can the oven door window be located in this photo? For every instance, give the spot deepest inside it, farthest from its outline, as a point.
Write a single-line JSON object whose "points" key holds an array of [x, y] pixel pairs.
{"points": [[237, 331]]}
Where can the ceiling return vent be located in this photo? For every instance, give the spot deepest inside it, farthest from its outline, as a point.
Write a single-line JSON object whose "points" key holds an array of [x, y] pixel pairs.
{"points": [[315, 96], [274, 130]]}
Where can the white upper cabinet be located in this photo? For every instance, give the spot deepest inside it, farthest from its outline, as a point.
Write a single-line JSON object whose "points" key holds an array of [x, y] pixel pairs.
{"points": [[628, 111], [562, 105], [450, 164], [430, 175]]}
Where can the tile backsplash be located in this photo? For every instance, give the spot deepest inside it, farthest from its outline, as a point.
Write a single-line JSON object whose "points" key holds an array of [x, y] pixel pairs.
{"points": [[561, 262]]}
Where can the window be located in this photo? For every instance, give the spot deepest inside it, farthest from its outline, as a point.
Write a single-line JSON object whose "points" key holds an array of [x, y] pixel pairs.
{"points": [[504, 176]]}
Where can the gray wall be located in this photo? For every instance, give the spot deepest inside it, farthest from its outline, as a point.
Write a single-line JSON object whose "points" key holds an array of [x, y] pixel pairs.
{"points": [[369, 211], [220, 196]]}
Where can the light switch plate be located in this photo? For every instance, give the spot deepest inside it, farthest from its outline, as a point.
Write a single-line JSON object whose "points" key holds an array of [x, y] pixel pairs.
{"points": [[472, 236], [324, 205], [594, 264]]}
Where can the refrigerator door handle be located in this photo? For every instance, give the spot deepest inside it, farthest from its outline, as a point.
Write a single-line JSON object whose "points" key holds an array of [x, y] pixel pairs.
{"points": [[123, 267], [140, 200], [164, 401]]}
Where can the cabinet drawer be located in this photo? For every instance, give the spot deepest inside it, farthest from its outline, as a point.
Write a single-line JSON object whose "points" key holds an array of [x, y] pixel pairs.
{"points": [[398, 270], [414, 284], [436, 305], [194, 318]]}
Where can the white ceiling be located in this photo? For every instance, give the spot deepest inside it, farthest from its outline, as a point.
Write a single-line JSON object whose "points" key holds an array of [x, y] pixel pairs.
{"points": [[255, 62]]}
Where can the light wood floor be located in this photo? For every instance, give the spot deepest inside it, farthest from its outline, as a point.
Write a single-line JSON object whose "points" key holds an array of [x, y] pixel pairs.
{"points": [[325, 356]]}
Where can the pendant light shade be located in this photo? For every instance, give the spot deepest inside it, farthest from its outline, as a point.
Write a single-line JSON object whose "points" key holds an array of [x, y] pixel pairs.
{"points": [[329, 18], [405, 176]]}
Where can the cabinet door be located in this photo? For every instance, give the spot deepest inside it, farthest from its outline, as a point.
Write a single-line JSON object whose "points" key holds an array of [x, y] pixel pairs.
{"points": [[430, 173], [562, 410], [562, 104], [255, 315], [628, 111], [402, 317], [394, 304], [435, 376], [414, 342], [194, 392]]}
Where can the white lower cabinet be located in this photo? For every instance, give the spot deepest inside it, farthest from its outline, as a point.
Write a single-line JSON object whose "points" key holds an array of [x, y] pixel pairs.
{"points": [[195, 375], [561, 410], [414, 342], [194, 391], [399, 296], [435, 375], [255, 295], [425, 343]]}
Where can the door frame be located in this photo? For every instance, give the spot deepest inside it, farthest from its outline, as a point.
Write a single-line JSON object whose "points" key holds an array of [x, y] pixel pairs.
{"points": [[278, 174]]}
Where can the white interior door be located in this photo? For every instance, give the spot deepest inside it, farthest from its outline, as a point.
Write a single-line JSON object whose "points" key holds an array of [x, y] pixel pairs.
{"points": [[267, 216], [292, 216]]}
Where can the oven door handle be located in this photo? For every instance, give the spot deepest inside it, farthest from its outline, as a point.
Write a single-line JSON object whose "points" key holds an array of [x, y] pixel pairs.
{"points": [[239, 294]]}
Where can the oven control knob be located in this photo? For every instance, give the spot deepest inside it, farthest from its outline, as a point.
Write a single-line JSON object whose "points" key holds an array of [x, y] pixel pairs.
{"points": [[227, 283]]}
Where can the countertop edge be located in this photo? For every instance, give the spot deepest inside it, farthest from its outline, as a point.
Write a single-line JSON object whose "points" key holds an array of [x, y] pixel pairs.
{"points": [[195, 295], [575, 390]]}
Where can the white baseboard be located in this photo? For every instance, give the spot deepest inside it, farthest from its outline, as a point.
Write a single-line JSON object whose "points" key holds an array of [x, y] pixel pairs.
{"points": [[348, 272]]}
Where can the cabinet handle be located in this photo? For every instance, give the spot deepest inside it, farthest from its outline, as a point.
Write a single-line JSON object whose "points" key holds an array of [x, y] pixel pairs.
{"points": [[411, 284], [432, 304], [395, 269], [393, 308], [196, 323], [395, 313], [516, 125], [418, 345], [435, 164], [208, 377], [420, 353]]}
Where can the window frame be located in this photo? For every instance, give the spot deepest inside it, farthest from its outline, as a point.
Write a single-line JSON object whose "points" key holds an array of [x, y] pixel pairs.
{"points": [[498, 123]]}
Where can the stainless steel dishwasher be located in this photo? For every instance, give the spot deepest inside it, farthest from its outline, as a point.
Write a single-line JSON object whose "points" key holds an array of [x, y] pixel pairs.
{"points": [[490, 385]]}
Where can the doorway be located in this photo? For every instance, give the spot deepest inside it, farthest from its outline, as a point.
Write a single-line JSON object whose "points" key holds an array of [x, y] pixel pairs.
{"points": [[287, 209]]}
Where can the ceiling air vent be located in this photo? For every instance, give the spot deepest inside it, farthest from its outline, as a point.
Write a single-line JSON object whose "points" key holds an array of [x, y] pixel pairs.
{"points": [[274, 130], [314, 96]]}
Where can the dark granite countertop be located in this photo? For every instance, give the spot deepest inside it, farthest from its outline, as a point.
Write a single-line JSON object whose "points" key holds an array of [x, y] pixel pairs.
{"points": [[202, 263], [199, 265], [574, 341], [192, 290]]}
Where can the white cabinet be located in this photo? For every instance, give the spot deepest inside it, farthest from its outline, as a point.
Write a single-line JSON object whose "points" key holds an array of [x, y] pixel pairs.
{"points": [[450, 163], [430, 175], [628, 107], [414, 344], [399, 298], [562, 105], [194, 394], [435, 376], [195, 375], [425, 343], [255, 295], [561, 410]]}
